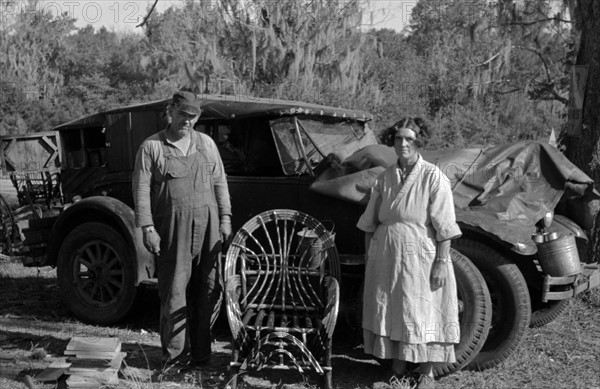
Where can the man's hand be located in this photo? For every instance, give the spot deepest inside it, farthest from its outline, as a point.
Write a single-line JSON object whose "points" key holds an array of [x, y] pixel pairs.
{"points": [[152, 241], [439, 271], [225, 230]]}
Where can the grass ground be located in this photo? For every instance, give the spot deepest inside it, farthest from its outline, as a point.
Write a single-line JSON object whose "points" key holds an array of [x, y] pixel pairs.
{"points": [[35, 329]]}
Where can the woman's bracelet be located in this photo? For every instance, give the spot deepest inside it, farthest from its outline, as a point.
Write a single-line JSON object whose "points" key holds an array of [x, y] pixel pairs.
{"points": [[444, 260]]}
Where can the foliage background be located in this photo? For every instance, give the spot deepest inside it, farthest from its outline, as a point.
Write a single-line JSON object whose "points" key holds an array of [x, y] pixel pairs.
{"points": [[481, 72]]}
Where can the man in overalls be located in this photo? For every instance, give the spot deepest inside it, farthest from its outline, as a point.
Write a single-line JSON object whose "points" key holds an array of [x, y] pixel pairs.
{"points": [[182, 205]]}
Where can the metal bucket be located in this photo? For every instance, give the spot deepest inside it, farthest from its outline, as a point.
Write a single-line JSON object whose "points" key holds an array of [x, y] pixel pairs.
{"points": [[310, 247], [559, 257]]}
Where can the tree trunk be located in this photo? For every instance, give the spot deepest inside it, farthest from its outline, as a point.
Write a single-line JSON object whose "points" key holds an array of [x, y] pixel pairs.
{"points": [[584, 151], [581, 150]]}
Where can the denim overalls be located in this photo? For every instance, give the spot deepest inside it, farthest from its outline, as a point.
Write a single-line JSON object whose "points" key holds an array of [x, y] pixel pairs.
{"points": [[187, 220]]}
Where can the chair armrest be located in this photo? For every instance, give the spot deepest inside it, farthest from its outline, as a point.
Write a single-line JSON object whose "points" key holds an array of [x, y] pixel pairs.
{"points": [[332, 293], [232, 304]]}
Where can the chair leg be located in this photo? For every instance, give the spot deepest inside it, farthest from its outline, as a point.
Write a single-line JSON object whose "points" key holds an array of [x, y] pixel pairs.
{"points": [[233, 374], [326, 380], [233, 370]]}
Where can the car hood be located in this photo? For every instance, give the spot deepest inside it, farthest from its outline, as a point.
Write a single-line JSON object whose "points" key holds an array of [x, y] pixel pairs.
{"points": [[504, 189]]}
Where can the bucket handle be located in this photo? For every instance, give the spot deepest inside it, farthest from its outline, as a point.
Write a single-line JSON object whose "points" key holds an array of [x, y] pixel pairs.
{"points": [[329, 230]]}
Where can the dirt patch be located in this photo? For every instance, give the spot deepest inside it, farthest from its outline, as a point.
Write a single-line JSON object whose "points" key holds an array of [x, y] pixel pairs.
{"points": [[35, 329]]}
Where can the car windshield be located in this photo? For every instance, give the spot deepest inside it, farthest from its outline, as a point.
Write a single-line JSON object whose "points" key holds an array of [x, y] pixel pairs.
{"points": [[304, 142]]}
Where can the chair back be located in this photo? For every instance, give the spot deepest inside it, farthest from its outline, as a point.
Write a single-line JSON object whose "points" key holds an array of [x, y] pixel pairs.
{"points": [[281, 257]]}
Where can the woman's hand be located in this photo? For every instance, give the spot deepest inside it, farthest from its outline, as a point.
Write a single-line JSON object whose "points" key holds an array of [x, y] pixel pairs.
{"points": [[152, 241], [439, 271]]}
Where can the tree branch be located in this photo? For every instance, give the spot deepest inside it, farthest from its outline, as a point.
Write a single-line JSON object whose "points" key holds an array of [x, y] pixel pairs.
{"points": [[539, 54], [537, 21], [148, 15], [559, 97], [508, 91], [487, 61], [550, 82]]}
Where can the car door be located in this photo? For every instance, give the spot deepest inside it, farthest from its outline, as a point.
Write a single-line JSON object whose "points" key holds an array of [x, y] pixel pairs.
{"points": [[254, 176]]}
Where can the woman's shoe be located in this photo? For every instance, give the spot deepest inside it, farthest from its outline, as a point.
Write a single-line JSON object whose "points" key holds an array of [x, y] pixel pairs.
{"points": [[425, 382]]}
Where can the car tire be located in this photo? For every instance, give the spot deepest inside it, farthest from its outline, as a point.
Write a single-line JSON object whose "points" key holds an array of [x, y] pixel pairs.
{"points": [[96, 274], [542, 313], [475, 313], [511, 303]]}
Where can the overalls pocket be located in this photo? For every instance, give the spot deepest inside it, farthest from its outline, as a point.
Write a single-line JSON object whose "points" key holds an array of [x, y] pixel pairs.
{"points": [[179, 181]]}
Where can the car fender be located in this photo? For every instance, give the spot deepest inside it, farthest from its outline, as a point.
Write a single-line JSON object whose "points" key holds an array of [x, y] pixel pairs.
{"points": [[560, 224], [470, 231], [565, 226], [107, 210]]}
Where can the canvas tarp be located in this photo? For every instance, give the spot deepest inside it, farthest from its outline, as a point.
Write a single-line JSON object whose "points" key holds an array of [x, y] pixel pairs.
{"points": [[504, 189]]}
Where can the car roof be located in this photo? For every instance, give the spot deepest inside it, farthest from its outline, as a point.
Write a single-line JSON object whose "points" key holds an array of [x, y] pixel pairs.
{"points": [[231, 107]]}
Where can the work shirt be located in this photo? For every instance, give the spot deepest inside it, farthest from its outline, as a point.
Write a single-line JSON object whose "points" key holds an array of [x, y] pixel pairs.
{"points": [[150, 176]]}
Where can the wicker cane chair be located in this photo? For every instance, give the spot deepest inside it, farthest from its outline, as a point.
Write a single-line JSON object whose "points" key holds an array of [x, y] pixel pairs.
{"points": [[282, 295]]}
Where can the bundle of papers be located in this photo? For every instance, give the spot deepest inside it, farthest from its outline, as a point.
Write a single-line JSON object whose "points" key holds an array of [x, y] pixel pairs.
{"points": [[93, 362]]}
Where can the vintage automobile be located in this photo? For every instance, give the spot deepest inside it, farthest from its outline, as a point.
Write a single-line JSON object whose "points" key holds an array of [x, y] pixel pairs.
{"points": [[523, 209]]}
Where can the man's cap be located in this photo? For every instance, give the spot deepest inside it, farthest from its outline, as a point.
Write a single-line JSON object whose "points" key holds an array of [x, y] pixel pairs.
{"points": [[187, 102]]}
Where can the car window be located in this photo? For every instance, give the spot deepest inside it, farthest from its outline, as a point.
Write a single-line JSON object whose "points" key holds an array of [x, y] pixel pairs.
{"points": [[303, 142], [284, 133], [246, 147], [342, 138], [203, 128]]}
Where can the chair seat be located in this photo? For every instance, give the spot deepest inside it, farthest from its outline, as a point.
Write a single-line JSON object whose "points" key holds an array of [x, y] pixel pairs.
{"points": [[278, 320]]}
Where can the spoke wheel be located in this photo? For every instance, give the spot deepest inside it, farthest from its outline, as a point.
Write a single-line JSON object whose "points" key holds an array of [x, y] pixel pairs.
{"points": [[99, 274], [96, 274]]}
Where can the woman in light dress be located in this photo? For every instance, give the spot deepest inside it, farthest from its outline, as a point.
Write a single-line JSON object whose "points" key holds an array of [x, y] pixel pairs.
{"points": [[410, 306]]}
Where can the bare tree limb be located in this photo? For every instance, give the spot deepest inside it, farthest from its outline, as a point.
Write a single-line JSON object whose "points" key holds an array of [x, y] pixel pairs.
{"points": [[487, 61], [148, 15], [550, 91], [551, 82], [538, 21], [508, 91], [539, 54], [552, 98], [559, 97]]}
